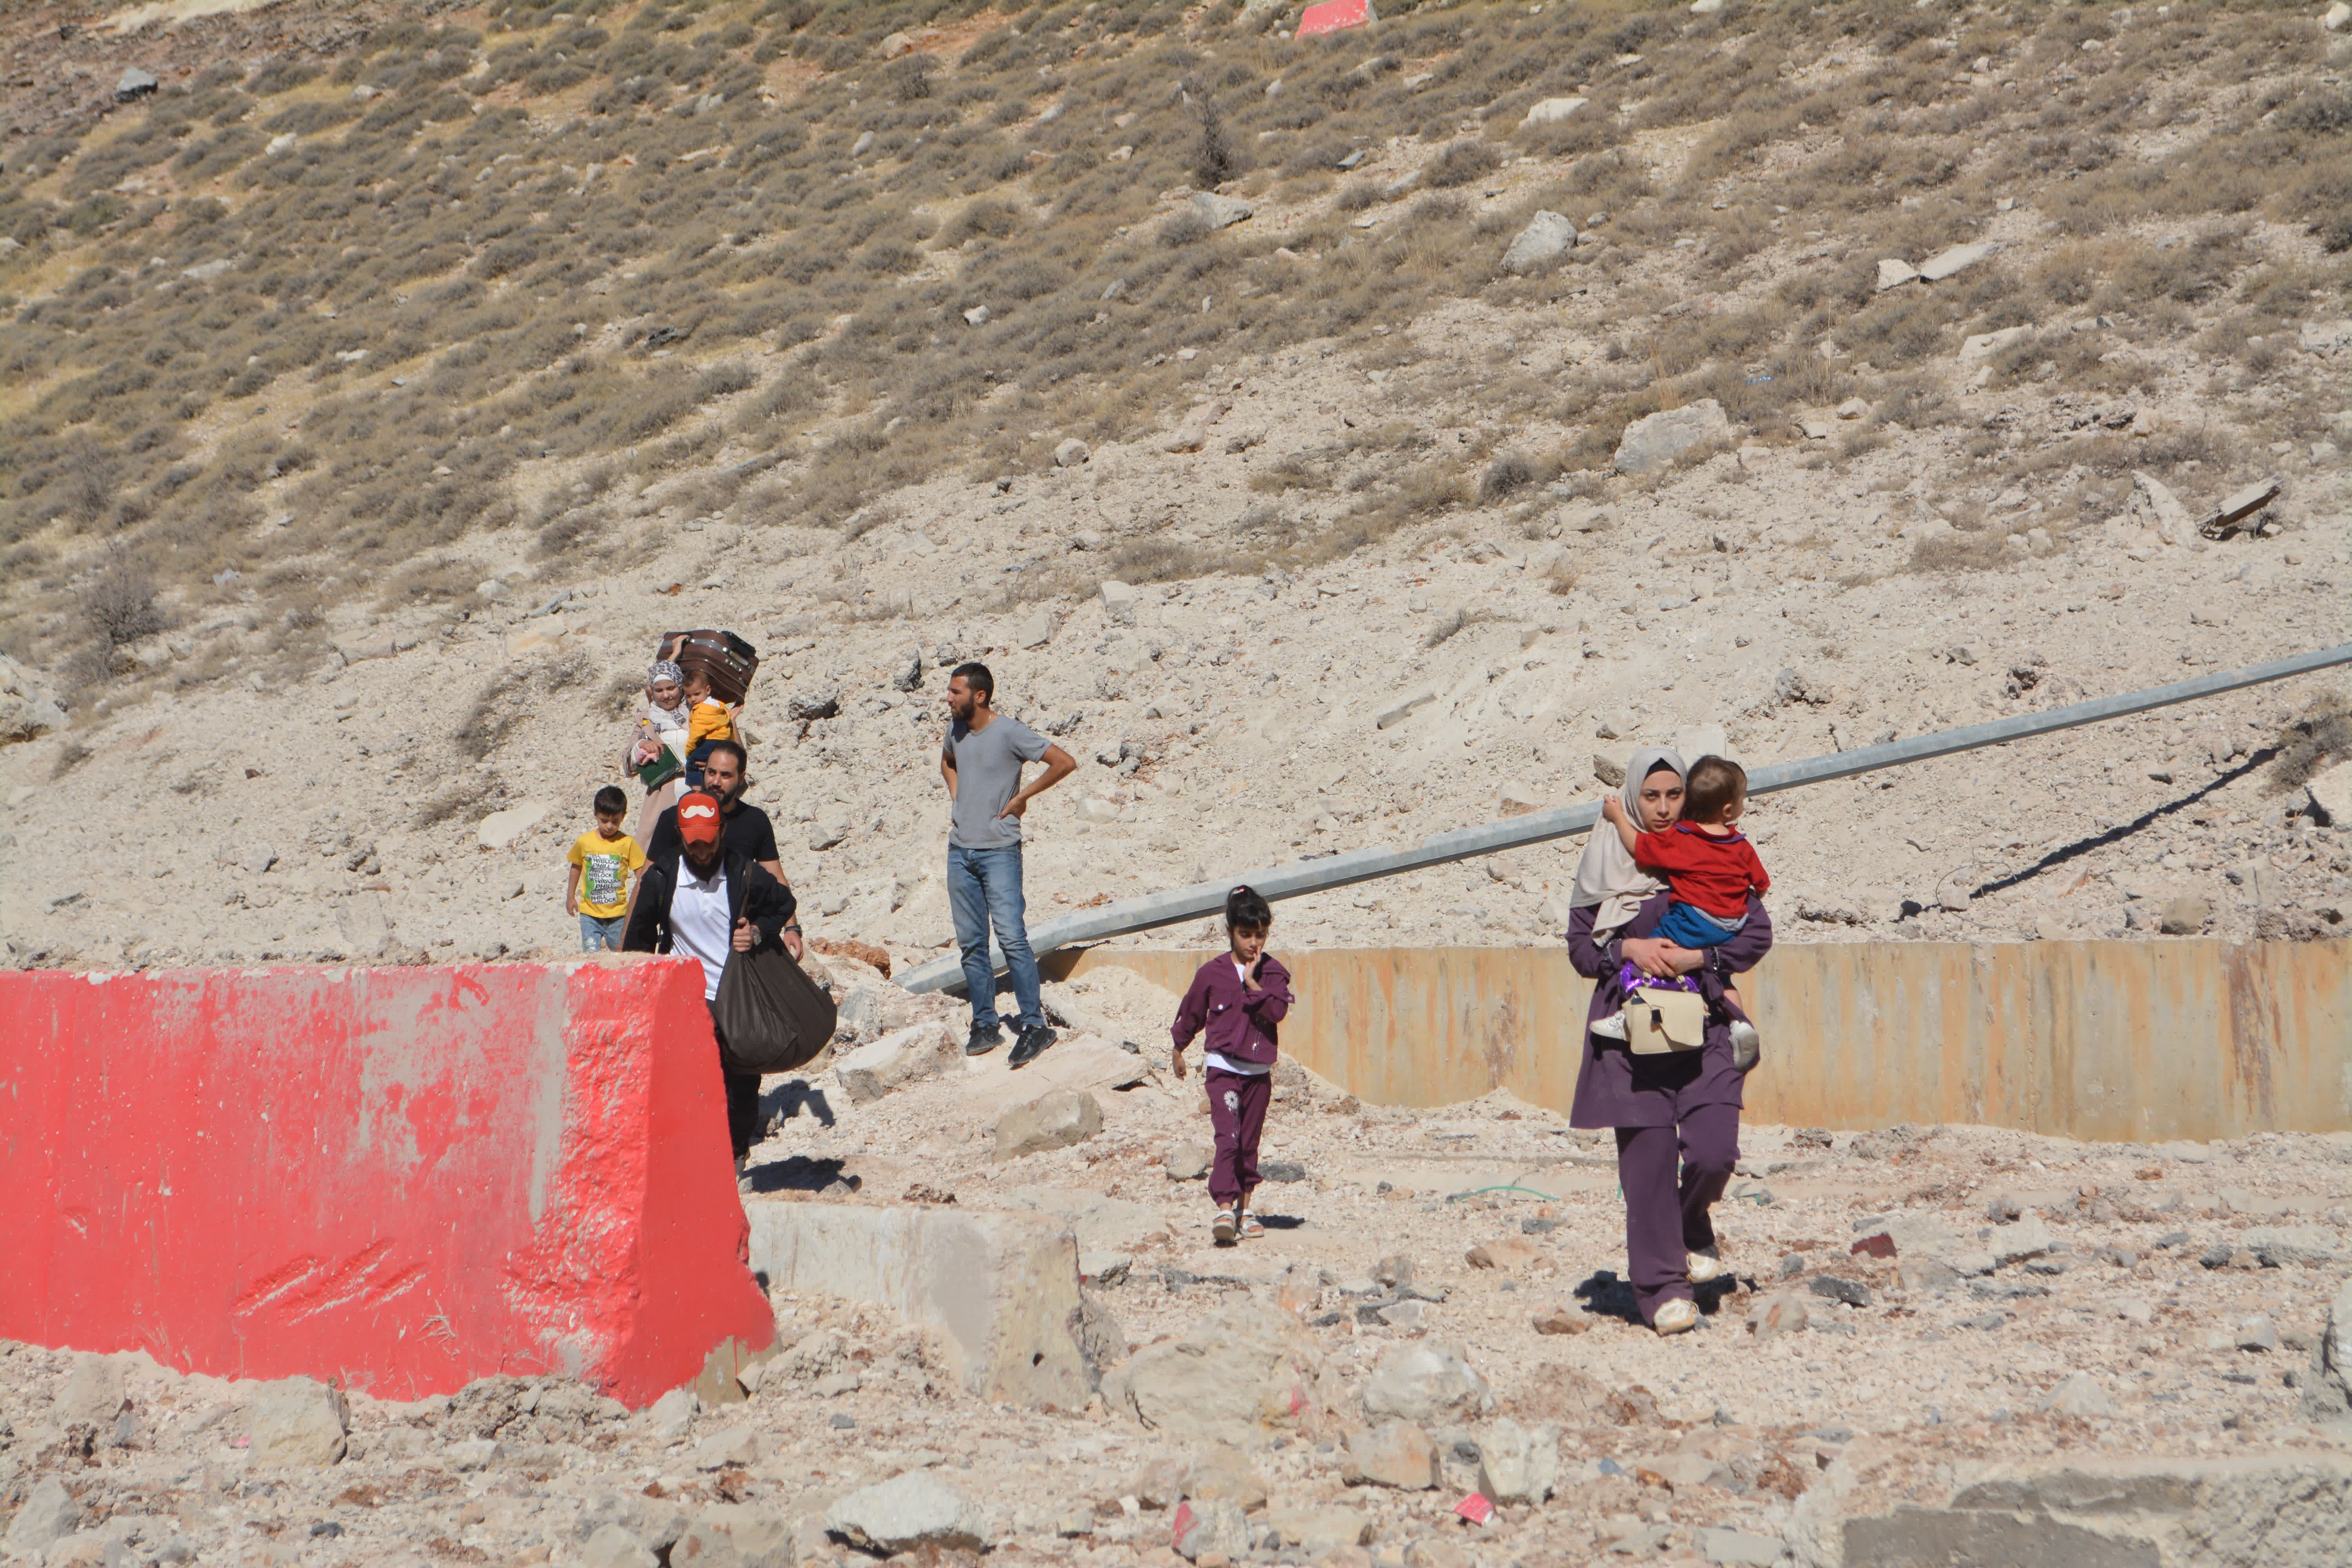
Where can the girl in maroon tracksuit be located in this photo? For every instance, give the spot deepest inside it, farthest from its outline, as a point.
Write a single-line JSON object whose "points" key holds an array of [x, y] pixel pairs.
{"points": [[1240, 998]]}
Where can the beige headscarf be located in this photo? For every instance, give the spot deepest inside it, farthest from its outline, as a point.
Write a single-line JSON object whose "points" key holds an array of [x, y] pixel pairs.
{"points": [[1607, 876]]}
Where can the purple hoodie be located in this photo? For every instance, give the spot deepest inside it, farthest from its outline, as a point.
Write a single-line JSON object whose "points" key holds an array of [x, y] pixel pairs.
{"points": [[1242, 1022]]}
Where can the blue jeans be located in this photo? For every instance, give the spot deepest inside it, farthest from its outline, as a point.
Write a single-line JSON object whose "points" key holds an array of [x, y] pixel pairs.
{"points": [[597, 934], [984, 890], [1687, 925]]}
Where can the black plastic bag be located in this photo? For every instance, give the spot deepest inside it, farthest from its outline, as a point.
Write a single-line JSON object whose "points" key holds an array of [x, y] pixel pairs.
{"points": [[771, 1018]]}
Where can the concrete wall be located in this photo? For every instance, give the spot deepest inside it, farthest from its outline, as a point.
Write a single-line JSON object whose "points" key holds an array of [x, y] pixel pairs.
{"points": [[2116, 1040], [401, 1178]]}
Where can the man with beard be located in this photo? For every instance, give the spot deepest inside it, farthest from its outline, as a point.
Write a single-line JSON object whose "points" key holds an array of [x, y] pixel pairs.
{"points": [[748, 830], [981, 760], [708, 901]]}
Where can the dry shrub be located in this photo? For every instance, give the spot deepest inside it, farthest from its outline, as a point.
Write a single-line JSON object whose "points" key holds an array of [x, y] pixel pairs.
{"points": [[2318, 739], [1460, 163], [119, 603]]}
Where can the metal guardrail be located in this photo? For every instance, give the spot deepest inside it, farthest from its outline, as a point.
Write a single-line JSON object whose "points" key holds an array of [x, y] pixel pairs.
{"points": [[1320, 875]]}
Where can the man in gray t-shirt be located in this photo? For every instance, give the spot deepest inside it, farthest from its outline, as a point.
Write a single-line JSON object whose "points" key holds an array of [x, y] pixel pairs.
{"points": [[981, 760]]}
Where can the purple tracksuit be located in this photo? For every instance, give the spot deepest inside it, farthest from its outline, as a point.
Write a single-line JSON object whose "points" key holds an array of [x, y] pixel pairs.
{"points": [[1681, 1109], [1242, 1026]]}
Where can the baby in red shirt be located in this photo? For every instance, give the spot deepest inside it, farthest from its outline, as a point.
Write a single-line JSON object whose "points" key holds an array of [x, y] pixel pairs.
{"points": [[1708, 863]]}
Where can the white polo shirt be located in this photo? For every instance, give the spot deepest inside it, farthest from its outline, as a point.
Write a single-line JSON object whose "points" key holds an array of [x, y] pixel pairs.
{"points": [[699, 926]]}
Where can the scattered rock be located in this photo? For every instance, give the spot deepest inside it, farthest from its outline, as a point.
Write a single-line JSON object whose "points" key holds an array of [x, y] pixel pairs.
{"points": [[1563, 1321], [1393, 1453], [1221, 212], [2185, 916], [1243, 1371], [2254, 1331], [1782, 1312], [1055, 1120], [1551, 111], [1893, 274], [2329, 796], [2079, 1394], [1072, 452], [297, 1422], [1517, 1466], [133, 84], [672, 1416], [28, 709], [1547, 238], [1209, 1528], [1654, 441], [1317, 1528], [2327, 1391], [1188, 1160], [1425, 1382], [907, 1513], [47, 1515], [2231, 516]]}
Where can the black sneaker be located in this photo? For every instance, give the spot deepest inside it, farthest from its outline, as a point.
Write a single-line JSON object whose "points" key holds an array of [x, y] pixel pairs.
{"points": [[984, 1041], [1031, 1046]]}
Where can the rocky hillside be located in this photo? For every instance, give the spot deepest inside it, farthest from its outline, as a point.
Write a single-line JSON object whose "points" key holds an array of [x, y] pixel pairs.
{"points": [[386, 379]]}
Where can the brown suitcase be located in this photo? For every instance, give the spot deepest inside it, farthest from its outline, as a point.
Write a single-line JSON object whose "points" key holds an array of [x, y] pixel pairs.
{"points": [[726, 659]]}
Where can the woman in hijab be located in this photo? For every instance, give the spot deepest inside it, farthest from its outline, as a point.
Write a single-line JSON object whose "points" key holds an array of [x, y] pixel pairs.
{"points": [[1676, 1114], [665, 717]]}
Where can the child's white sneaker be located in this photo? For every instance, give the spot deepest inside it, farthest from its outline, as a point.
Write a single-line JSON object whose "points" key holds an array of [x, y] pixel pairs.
{"points": [[1703, 1268], [1675, 1317], [1611, 1027], [1746, 1044]]}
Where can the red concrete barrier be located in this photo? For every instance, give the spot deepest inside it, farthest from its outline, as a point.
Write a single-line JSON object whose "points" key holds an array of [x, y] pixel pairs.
{"points": [[401, 1178]]}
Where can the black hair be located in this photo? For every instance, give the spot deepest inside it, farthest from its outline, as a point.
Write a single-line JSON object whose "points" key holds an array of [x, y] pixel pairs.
{"points": [[1246, 910], [611, 801], [1714, 782], [732, 747], [975, 675]]}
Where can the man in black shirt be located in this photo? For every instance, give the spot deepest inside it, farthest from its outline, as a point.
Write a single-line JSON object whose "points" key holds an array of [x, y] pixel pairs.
{"points": [[747, 830]]}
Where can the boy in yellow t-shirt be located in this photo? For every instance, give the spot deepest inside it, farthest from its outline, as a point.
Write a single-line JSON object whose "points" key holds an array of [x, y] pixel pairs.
{"points": [[602, 864]]}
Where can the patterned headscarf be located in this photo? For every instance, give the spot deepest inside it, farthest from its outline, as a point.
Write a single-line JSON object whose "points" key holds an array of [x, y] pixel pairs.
{"points": [[669, 670]]}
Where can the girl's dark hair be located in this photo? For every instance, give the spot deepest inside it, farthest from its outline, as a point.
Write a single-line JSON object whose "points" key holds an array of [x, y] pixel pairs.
{"points": [[1246, 910]]}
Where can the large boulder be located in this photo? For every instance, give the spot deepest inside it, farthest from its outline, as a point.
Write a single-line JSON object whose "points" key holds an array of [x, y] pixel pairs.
{"points": [[1655, 441], [908, 1513], [1241, 1375], [1425, 1381]]}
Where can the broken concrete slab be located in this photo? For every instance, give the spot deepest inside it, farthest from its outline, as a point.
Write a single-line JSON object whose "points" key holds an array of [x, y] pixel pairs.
{"points": [[1936, 269], [1394, 1454], [902, 1057], [1084, 1065], [1894, 273], [297, 1422], [1002, 1289], [1055, 1120], [2231, 516], [909, 1512]]}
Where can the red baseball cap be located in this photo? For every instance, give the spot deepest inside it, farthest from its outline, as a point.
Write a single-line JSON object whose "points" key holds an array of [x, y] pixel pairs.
{"points": [[697, 819]]}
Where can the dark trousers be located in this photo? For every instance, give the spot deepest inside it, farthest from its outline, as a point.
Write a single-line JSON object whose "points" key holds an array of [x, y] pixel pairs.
{"points": [[1237, 1103], [1666, 1213], [743, 1097]]}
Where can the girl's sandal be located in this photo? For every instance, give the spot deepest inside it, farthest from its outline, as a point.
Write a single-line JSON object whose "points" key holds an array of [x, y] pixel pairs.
{"points": [[1251, 1228], [1222, 1230]]}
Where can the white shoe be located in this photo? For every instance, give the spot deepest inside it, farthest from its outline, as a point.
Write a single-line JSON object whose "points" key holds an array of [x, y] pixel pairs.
{"points": [[1746, 1044], [1611, 1027], [1702, 1267], [1675, 1317]]}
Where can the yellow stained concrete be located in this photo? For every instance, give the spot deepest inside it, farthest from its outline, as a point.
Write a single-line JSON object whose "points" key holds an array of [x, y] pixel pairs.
{"points": [[2127, 1041]]}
